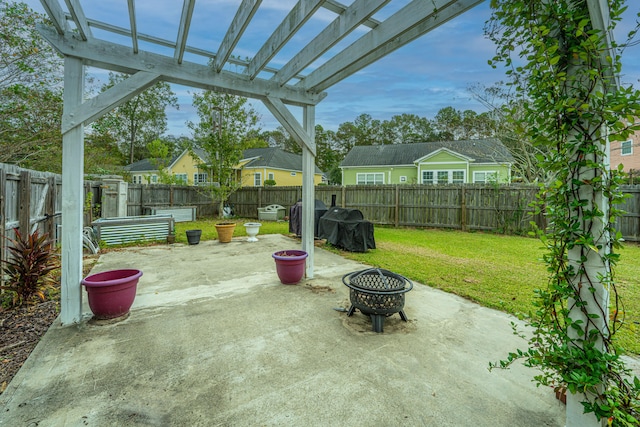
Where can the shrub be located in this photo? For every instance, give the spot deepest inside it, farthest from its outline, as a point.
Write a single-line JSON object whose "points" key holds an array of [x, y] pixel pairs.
{"points": [[27, 269]]}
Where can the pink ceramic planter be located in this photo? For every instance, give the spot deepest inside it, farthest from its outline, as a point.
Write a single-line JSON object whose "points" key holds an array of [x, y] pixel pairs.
{"points": [[111, 293], [290, 265]]}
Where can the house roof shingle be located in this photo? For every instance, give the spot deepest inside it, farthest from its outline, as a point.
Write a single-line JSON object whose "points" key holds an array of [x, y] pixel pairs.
{"points": [[270, 157], [273, 157], [489, 150]]}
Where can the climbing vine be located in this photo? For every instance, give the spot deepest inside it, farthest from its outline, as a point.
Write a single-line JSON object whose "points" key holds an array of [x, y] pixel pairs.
{"points": [[562, 70]]}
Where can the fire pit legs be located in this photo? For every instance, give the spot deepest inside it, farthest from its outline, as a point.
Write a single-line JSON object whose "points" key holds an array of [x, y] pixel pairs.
{"points": [[377, 320]]}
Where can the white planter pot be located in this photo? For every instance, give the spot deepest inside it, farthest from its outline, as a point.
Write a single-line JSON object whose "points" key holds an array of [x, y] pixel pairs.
{"points": [[252, 229]]}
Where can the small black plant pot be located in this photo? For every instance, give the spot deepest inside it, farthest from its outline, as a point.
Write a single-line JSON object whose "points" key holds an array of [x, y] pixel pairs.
{"points": [[193, 236]]}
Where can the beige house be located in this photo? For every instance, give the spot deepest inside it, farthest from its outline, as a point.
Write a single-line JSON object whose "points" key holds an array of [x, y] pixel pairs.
{"points": [[627, 153], [257, 166]]}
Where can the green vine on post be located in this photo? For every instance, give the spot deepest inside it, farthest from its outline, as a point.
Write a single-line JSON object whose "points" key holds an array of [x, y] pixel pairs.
{"points": [[564, 75]]}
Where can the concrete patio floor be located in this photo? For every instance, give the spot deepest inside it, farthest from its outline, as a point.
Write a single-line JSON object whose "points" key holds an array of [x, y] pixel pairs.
{"points": [[213, 339]]}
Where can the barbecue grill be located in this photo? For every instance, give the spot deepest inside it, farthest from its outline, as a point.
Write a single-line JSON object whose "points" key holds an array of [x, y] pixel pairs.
{"points": [[295, 217], [346, 229], [378, 293]]}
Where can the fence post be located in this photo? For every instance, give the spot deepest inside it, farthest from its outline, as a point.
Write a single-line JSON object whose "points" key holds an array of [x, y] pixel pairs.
{"points": [[343, 198], [259, 197], [397, 205], [50, 209], [24, 211], [463, 208], [3, 192]]}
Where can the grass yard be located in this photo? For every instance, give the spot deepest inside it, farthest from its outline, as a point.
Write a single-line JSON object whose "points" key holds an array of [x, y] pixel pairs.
{"points": [[496, 271]]}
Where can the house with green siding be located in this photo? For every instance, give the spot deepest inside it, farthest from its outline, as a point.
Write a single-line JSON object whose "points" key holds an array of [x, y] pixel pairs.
{"points": [[439, 162]]}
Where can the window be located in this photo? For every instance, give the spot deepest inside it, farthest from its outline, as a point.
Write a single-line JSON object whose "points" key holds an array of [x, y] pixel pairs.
{"points": [[200, 178], [293, 174], [376, 178], [257, 179], [181, 178], [443, 177], [484, 177], [626, 148], [154, 179], [458, 177], [427, 177], [271, 176], [403, 179]]}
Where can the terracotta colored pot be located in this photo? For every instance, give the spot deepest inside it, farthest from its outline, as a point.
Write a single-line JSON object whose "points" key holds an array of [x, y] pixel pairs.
{"points": [[225, 231], [111, 293], [290, 265]]}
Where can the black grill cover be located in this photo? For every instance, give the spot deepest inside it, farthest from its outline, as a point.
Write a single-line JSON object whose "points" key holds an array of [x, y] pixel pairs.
{"points": [[347, 229], [295, 217]]}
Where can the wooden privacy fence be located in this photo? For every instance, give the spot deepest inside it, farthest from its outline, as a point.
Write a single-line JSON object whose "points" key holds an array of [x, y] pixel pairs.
{"points": [[30, 201], [503, 208], [498, 208]]}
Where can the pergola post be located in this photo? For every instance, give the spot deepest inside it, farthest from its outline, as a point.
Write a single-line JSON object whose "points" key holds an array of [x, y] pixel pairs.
{"points": [[597, 269], [72, 195], [308, 190]]}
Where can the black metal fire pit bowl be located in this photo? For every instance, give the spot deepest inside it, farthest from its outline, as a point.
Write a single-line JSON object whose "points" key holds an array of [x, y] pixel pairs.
{"points": [[378, 293]]}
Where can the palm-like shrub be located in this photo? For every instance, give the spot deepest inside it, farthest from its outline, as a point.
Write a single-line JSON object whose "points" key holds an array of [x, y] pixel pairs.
{"points": [[27, 269]]}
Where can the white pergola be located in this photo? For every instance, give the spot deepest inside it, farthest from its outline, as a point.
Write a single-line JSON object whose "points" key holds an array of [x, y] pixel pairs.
{"points": [[301, 82]]}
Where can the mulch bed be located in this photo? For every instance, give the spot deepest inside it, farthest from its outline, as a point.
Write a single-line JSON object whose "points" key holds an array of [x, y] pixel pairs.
{"points": [[20, 331]]}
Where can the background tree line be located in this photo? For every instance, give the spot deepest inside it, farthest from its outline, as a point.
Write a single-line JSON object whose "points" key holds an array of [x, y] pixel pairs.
{"points": [[31, 108]]}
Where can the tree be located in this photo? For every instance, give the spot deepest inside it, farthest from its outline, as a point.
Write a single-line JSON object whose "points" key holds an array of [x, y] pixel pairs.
{"points": [[139, 120], [566, 78], [328, 155], [510, 127], [30, 92], [226, 128], [407, 128]]}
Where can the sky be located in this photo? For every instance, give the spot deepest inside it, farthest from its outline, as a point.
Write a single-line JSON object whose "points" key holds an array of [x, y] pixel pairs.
{"points": [[430, 73]]}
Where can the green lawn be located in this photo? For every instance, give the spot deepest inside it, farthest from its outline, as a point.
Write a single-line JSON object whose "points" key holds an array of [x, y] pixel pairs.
{"points": [[494, 270]]}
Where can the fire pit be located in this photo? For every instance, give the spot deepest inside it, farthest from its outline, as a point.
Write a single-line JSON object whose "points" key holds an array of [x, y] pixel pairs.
{"points": [[378, 293]]}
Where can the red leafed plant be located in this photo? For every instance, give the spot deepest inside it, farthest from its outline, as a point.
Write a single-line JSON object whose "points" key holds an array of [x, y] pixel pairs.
{"points": [[27, 268]]}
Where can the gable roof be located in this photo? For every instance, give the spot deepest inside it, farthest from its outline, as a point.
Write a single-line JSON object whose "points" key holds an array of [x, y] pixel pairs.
{"points": [[145, 165], [270, 157], [273, 157], [489, 150]]}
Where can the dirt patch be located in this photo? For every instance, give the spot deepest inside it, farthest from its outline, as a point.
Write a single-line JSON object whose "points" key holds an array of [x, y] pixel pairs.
{"points": [[20, 332], [22, 328]]}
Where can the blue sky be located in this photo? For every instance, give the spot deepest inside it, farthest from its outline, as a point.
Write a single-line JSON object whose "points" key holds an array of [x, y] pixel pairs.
{"points": [[428, 74]]}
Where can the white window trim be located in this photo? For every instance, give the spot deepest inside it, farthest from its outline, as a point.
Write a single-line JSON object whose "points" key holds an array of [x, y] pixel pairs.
{"points": [[257, 175], [182, 177], [435, 172], [364, 174], [622, 148], [476, 181]]}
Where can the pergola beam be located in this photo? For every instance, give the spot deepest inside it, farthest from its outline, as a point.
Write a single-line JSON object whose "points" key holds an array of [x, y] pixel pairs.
{"points": [[183, 29], [339, 9], [239, 24], [409, 23], [115, 57], [56, 14], [343, 25], [289, 122], [132, 23], [77, 14], [106, 101], [300, 14]]}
